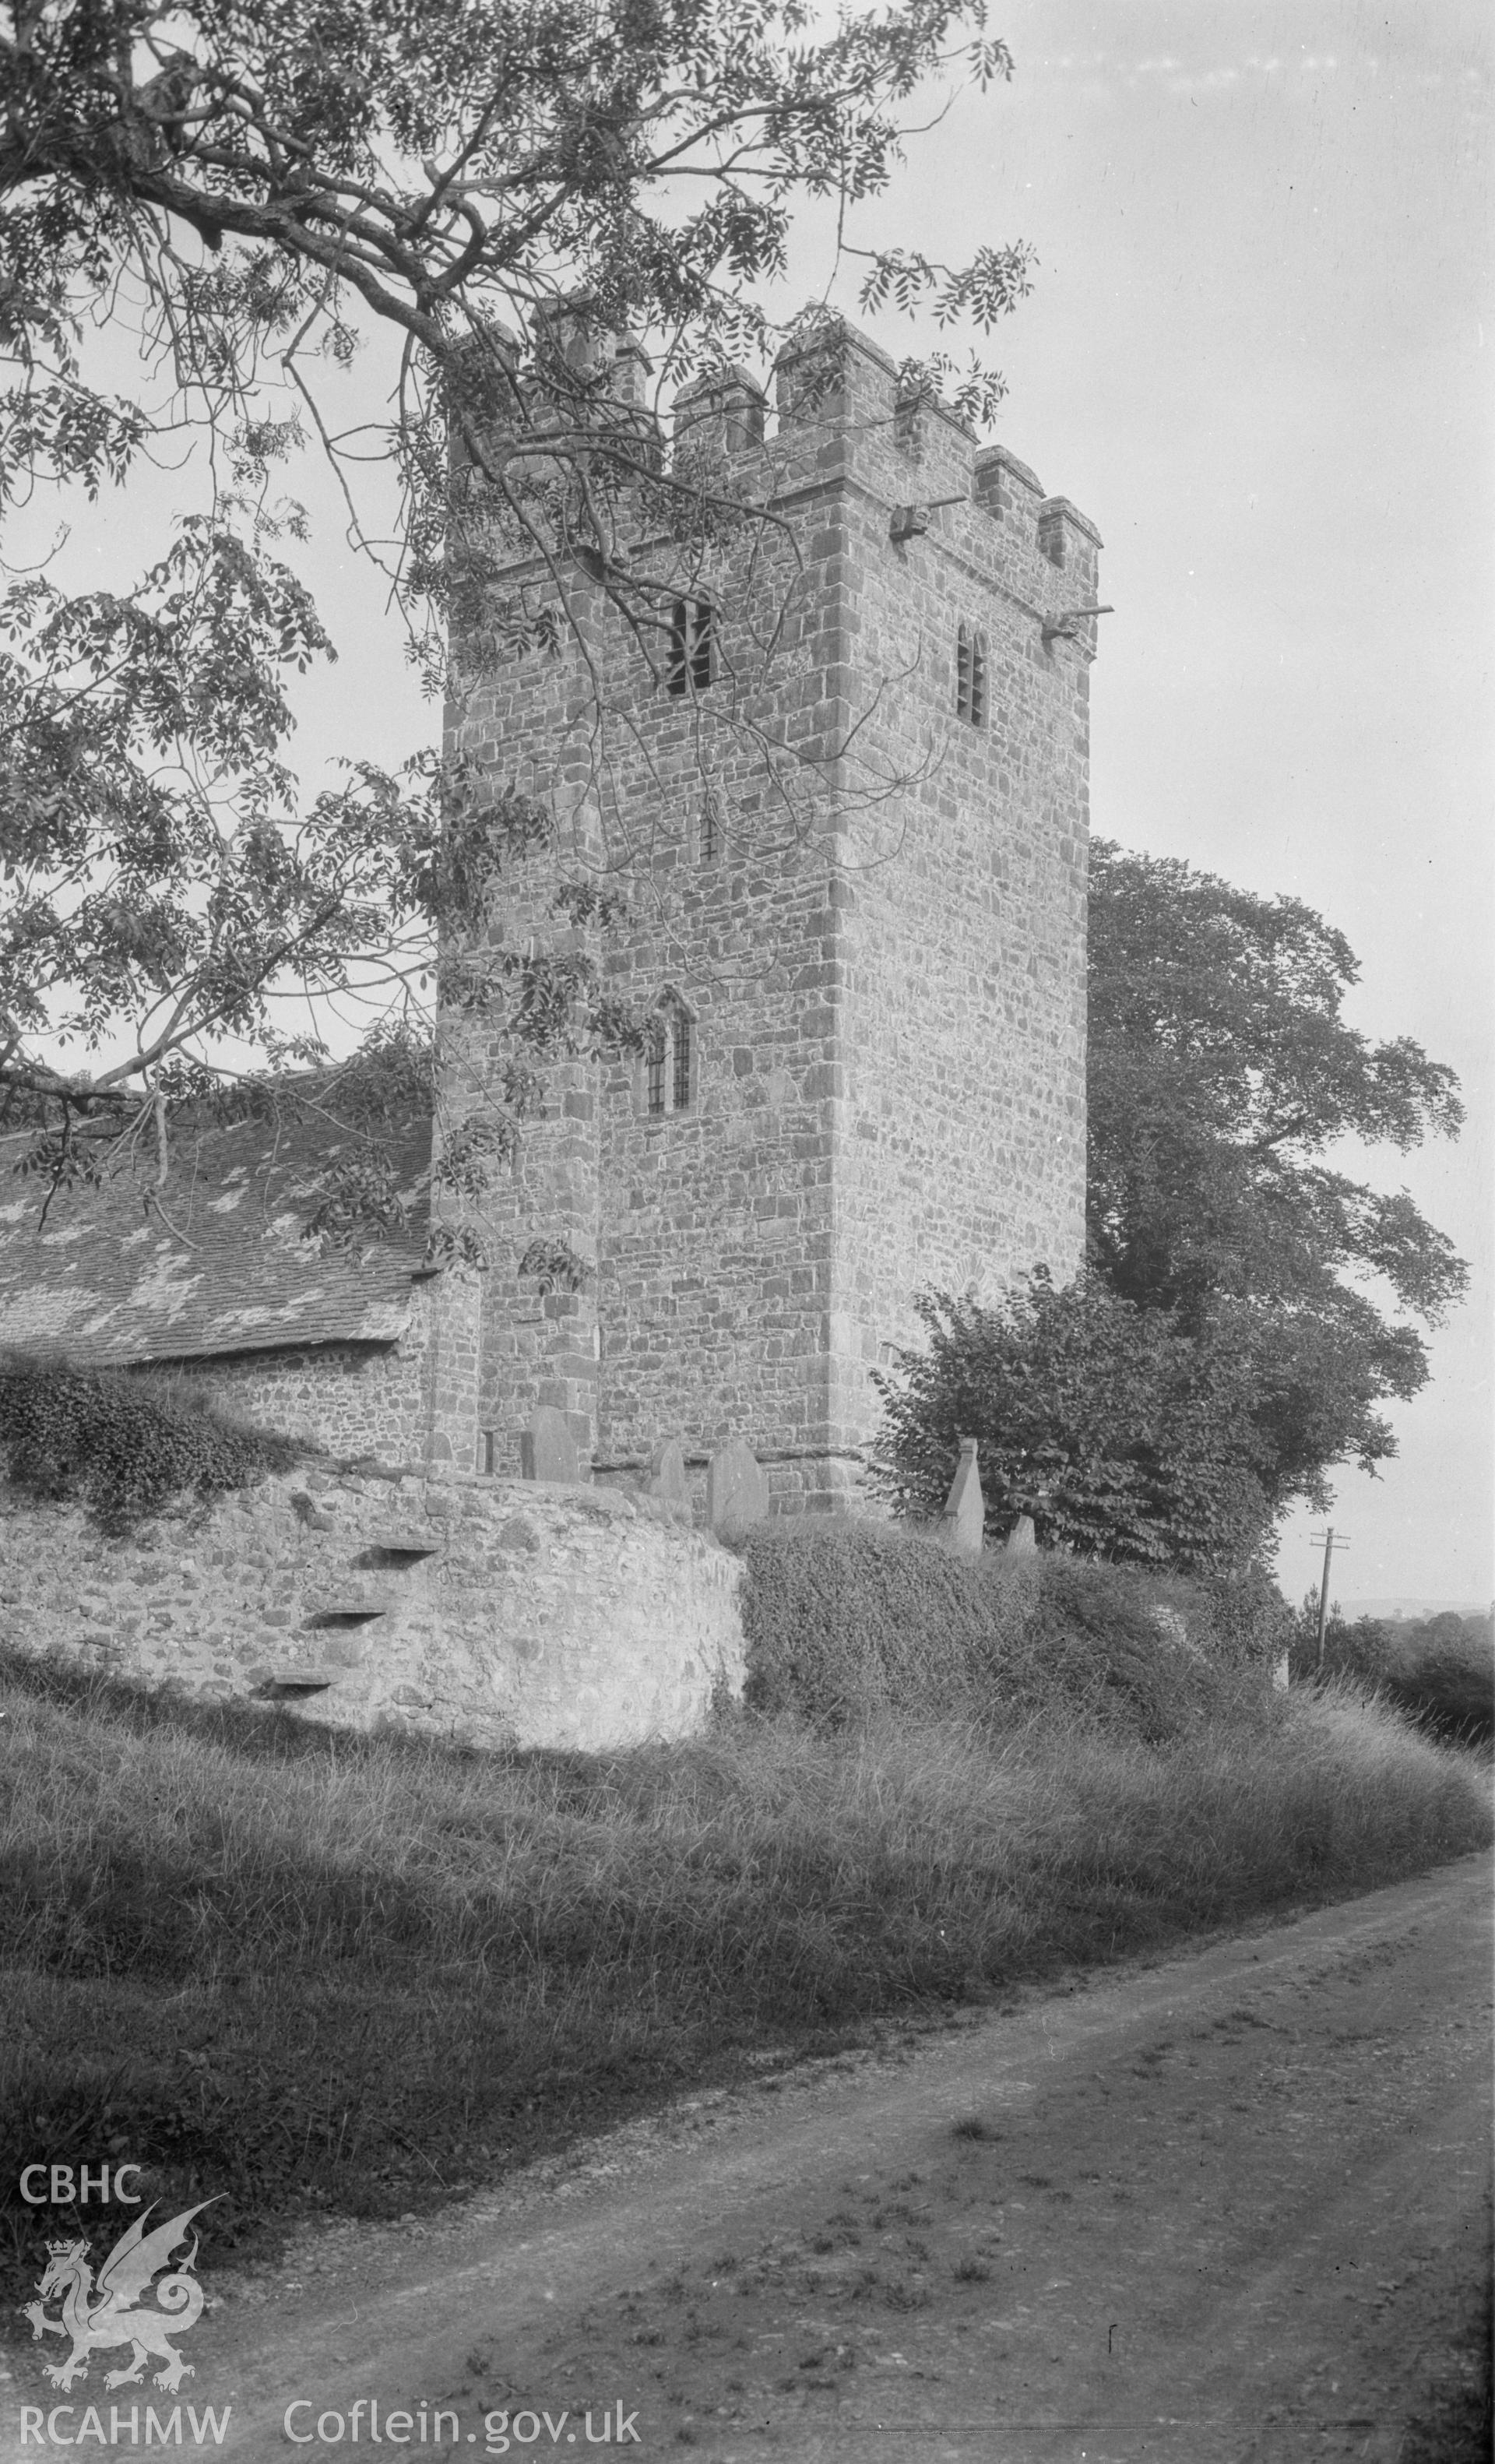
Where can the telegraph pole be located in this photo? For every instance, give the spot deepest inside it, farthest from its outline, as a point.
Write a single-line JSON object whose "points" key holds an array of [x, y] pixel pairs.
{"points": [[1331, 1541]]}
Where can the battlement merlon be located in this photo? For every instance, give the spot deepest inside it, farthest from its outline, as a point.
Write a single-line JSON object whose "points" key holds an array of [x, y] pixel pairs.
{"points": [[835, 378], [718, 416], [840, 413]]}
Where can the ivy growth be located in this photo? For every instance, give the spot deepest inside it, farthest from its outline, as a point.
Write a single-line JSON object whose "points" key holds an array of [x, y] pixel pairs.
{"points": [[123, 1445]]}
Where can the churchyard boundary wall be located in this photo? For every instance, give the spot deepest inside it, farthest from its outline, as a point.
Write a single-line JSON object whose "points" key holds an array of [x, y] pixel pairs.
{"points": [[491, 1612]]}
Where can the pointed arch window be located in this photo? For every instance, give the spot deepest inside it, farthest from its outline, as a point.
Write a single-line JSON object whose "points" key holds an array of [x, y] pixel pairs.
{"points": [[971, 676], [656, 1061], [692, 665], [670, 1058]]}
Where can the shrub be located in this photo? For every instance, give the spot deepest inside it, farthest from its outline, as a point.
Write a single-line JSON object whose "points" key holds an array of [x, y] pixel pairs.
{"points": [[1438, 1670], [1443, 1671], [121, 1442], [1248, 1621], [846, 1619], [1362, 1650], [1122, 1434], [843, 1617]]}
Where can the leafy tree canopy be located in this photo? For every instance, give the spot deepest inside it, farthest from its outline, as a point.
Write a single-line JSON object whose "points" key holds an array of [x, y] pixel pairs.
{"points": [[1247, 1306], [1221, 1076], [257, 191]]}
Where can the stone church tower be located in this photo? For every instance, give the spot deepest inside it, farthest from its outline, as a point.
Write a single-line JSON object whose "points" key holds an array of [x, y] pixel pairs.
{"points": [[849, 817]]}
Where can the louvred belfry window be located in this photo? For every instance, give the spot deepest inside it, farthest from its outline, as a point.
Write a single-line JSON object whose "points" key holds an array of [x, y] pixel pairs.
{"points": [[681, 1039], [693, 647]]}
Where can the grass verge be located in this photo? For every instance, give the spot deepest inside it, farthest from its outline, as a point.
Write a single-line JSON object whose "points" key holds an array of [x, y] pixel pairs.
{"points": [[1455, 2423], [359, 1974]]}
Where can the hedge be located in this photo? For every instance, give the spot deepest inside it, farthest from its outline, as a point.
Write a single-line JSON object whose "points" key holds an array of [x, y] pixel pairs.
{"points": [[121, 1444], [846, 1617]]}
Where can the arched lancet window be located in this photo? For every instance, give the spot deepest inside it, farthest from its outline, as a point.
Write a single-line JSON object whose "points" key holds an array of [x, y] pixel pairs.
{"points": [[669, 1058], [971, 676], [654, 1060]]}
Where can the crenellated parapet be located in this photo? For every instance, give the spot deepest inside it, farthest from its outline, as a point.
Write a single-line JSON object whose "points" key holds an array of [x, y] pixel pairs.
{"points": [[837, 418], [844, 420]]}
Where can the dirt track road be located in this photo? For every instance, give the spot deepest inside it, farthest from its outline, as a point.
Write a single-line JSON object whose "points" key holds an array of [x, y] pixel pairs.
{"points": [[1215, 2210]]}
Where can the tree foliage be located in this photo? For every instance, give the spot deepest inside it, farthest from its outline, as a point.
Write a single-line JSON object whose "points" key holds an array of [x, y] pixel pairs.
{"points": [[483, 198], [1224, 1083], [1121, 1435], [1247, 1306]]}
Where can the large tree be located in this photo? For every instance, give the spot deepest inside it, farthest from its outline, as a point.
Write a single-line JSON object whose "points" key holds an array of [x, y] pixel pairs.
{"points": [[479, 196], [1246, 1304], [1224, 1083]]}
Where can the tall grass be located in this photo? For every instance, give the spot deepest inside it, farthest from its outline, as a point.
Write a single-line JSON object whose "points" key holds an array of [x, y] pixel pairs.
{"points": [[355, 1972], [851, 1616]]}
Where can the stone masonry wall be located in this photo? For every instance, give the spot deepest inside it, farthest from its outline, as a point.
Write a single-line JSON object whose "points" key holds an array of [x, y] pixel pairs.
{"points": [[872, 912], [959, 1157], [490, 1612], [705, 1233], [350, 1398]]}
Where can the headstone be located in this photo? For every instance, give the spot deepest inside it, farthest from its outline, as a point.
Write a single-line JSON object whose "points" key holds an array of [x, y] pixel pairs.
{"points": [[667, 1473], [548, 1449], [964, 1518], [736, 1490], [1021, 1539]]}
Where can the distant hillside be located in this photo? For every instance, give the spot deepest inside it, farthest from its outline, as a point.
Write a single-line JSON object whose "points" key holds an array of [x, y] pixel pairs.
{"points": [[1409, 1608]]}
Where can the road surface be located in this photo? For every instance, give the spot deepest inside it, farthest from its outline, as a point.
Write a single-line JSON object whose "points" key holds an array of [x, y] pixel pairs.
{"points": [[1219, 2210]]}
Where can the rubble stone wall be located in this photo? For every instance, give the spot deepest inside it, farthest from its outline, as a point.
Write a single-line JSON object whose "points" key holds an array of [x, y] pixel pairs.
{"points": [[490, 1612], [350, 1398]]}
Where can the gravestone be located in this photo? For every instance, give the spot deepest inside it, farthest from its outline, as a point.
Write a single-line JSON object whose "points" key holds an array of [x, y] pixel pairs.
{"points": [[736, 1490], [1021, 1538], [666, 1474], [548, 1449], [964, 1518]]}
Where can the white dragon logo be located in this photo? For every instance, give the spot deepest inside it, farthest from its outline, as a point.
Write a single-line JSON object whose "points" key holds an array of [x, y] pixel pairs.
{"points": [[100, 2313]]}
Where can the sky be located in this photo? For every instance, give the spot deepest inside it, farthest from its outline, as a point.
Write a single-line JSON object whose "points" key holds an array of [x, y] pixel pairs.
{"points": [[1257, 355]]}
